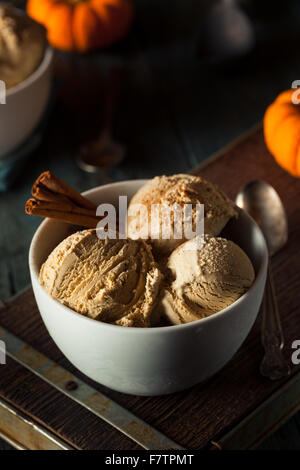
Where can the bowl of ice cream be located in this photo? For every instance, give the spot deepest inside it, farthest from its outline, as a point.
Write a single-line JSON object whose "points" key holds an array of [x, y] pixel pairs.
{"points": [[103, 301], [25, 74]]}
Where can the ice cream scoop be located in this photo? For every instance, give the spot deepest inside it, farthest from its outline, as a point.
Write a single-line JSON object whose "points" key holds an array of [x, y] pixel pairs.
{"points": [[205, 278], [22, 45], [178, 190], [112, 280]]}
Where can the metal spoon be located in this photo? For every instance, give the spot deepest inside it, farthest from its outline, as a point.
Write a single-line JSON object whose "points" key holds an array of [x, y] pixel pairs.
{"points": [[104, 152], [263, 203]]}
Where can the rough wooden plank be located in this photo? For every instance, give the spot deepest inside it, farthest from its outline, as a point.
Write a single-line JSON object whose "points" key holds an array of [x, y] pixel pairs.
{"points": [[287, 438], [23, 433], [62, 416], [87, 396]]}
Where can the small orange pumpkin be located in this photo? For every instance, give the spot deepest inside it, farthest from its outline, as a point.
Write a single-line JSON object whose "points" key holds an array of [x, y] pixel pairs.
{"points": [[282, 131], [82, 25]]}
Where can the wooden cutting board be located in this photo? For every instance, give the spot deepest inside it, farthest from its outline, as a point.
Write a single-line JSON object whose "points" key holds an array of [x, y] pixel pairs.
{"points": [[236, 402]]}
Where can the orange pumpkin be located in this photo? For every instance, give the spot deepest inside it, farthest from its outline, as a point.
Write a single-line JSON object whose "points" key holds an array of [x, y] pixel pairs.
{"points": [[282, 131], [82, 25]]}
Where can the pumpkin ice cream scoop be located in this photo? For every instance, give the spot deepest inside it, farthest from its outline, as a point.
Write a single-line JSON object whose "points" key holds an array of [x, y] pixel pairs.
{"points": [[179, 190], [114, 281], [22, 45], [205, 279]]}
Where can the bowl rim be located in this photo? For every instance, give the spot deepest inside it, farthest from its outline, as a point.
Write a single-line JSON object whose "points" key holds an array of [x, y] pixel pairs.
{"points": [[37, 73], [134, 330]]}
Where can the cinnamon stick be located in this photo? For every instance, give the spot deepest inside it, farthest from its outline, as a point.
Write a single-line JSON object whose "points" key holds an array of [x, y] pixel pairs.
{"points": [[48, 181], [78, 216], [57, 200], [42, 193]]}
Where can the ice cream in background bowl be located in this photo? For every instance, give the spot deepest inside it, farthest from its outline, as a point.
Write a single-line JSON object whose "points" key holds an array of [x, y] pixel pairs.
{"points": [[26, 71], [22, 45], [158, 360]]}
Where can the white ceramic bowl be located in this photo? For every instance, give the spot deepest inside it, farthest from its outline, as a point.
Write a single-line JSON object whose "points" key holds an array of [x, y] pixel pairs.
{"points": [[149, 361], [24, 107]]}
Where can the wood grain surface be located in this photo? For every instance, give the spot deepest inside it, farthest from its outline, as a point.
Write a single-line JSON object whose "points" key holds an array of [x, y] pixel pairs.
{"points": [[194, 417]]}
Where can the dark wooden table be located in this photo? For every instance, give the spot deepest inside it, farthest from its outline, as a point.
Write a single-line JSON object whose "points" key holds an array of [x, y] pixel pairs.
{"points": [[174, 111]]}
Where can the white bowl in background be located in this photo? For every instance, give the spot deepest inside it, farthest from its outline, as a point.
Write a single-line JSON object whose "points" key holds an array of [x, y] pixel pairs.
{"points": [[25, 105], [149, 361]]}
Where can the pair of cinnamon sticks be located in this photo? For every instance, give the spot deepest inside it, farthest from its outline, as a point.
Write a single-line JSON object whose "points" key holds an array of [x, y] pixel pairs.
{"points": [[55, 199]]}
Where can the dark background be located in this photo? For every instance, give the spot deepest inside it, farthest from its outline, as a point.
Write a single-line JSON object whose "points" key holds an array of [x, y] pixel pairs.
{"points": [[179, 104]]}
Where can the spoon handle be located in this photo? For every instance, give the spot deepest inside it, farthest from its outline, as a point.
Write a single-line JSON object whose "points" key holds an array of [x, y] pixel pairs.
{"points": [[273, 364]]}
